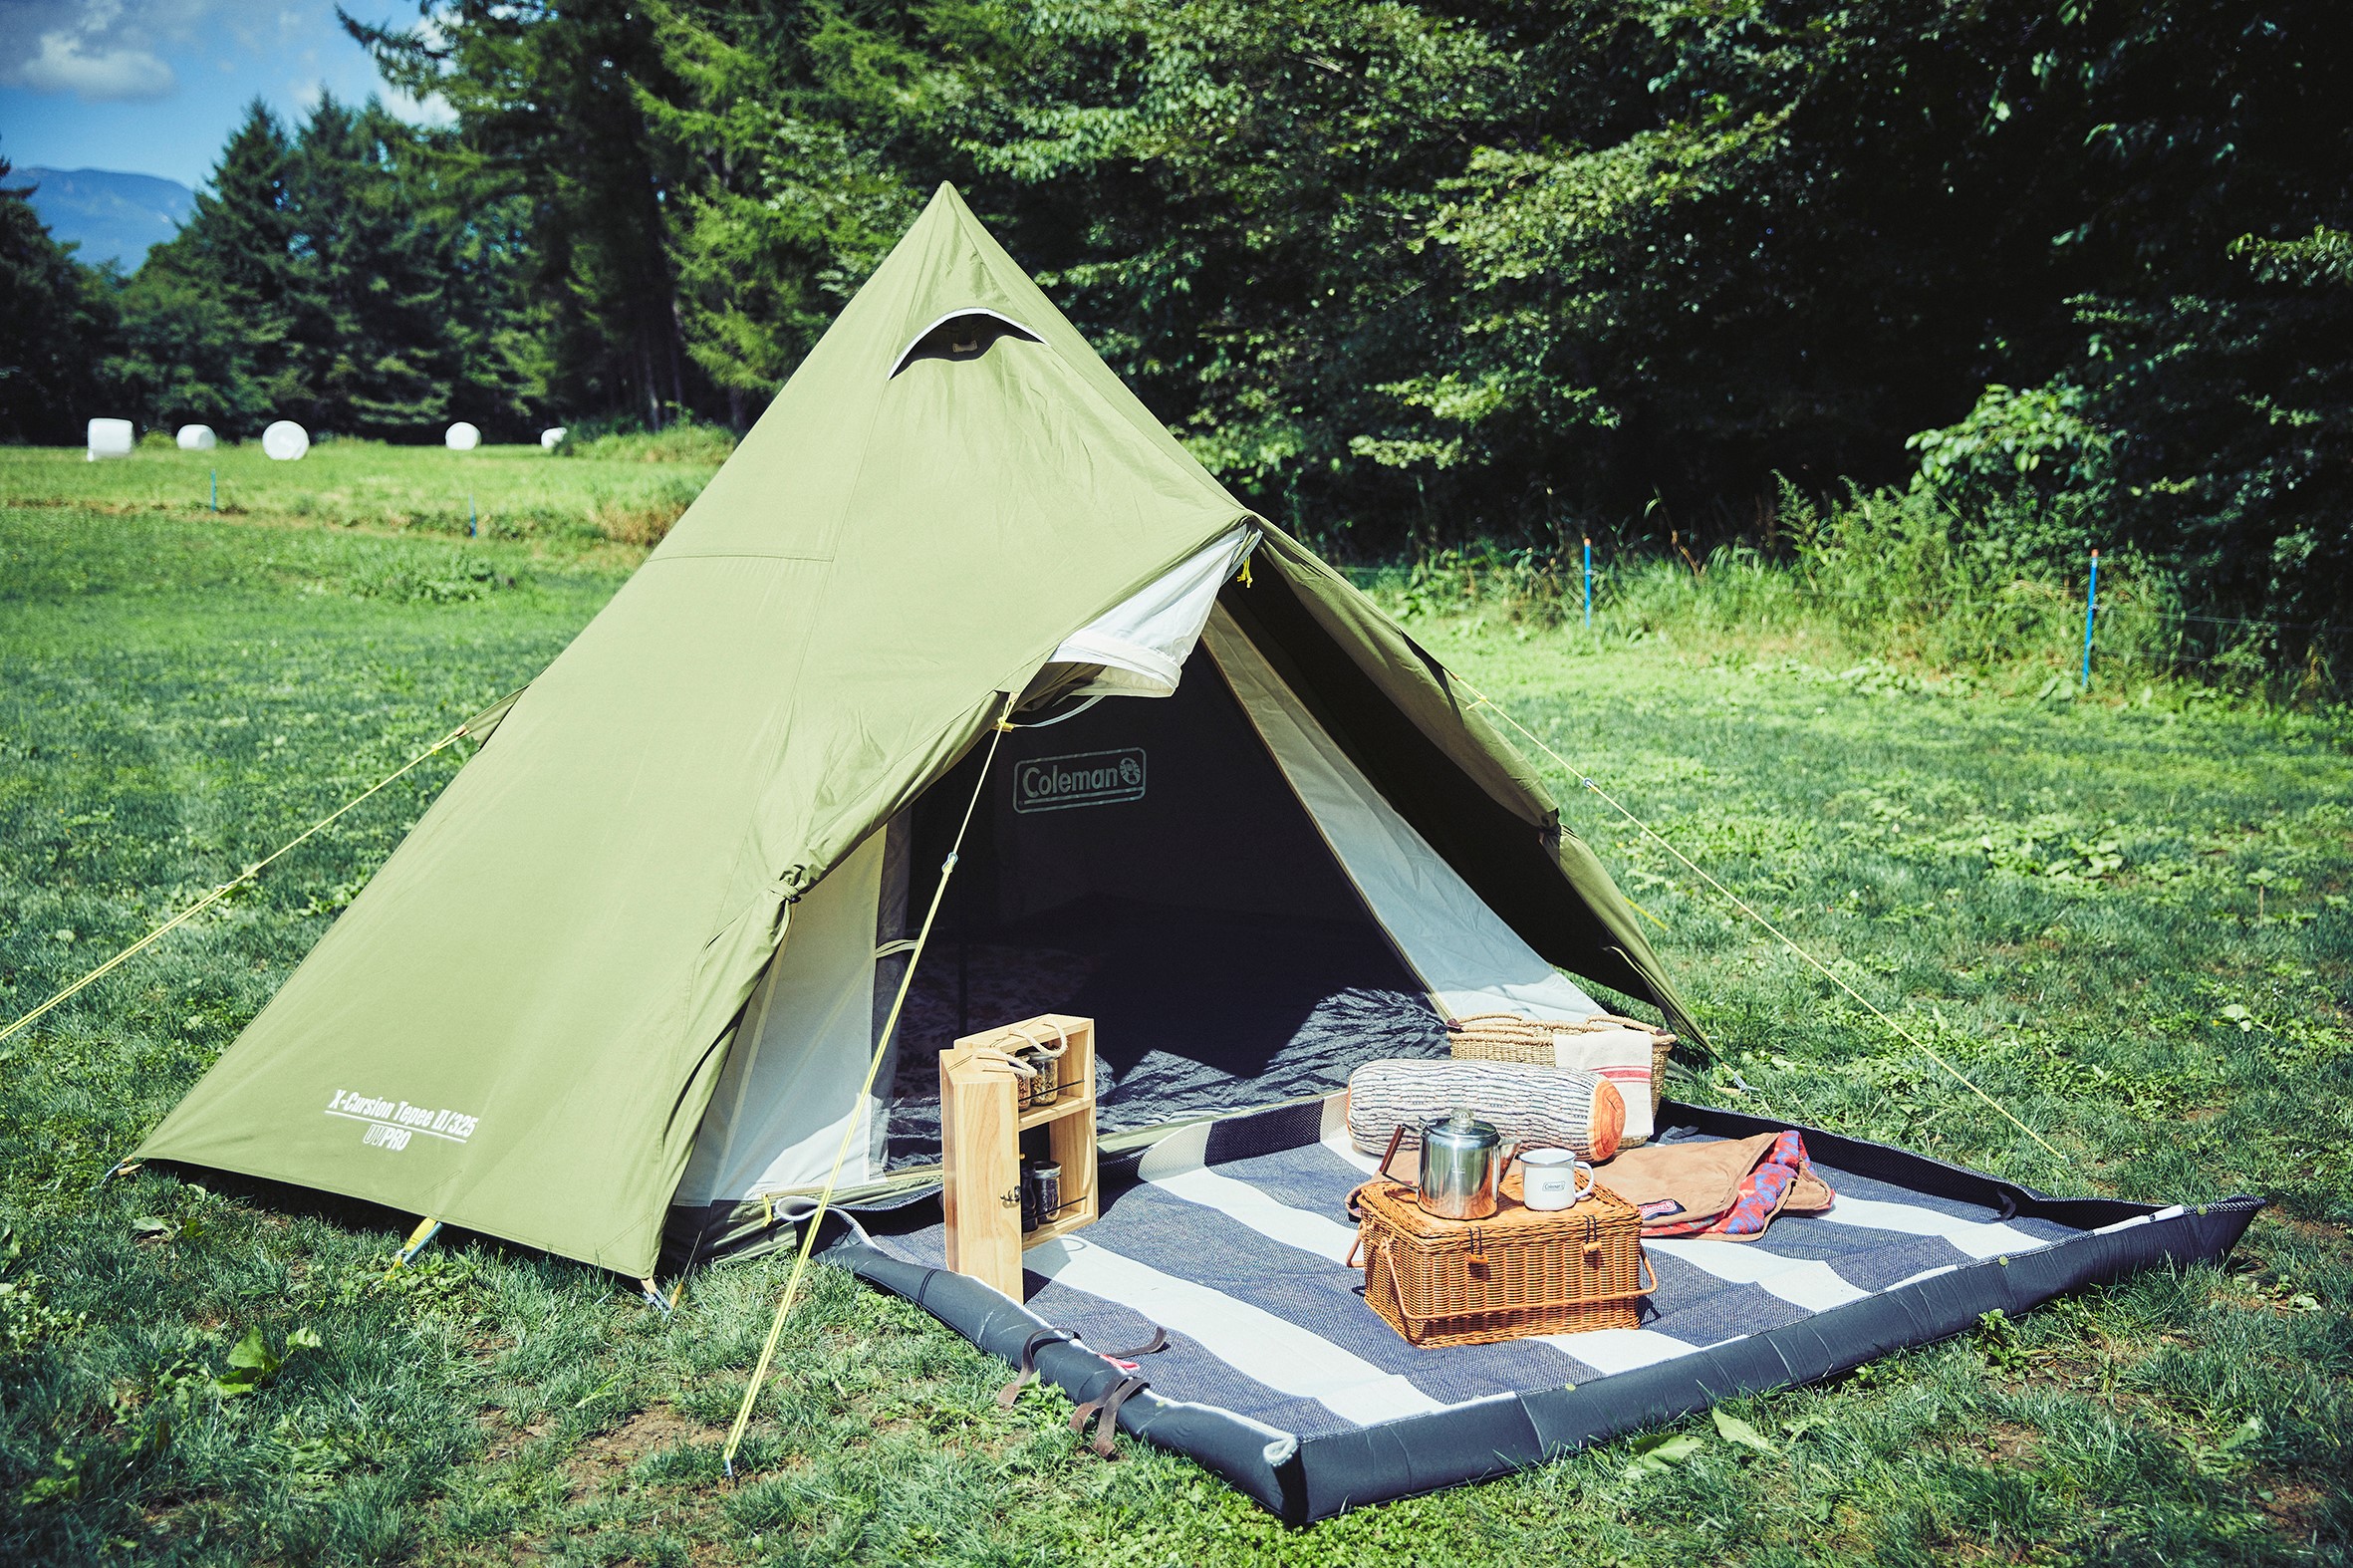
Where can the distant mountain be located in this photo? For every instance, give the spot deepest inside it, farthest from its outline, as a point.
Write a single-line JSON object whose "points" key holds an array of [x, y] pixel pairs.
{"points": [[114, 216]]}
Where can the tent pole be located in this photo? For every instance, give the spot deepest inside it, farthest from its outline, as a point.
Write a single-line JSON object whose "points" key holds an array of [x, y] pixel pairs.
{"points": [[792, 1282]]}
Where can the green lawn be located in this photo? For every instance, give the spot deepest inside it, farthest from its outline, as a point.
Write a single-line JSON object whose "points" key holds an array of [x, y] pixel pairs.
{"points": [[497, 492], [2128, 921]]}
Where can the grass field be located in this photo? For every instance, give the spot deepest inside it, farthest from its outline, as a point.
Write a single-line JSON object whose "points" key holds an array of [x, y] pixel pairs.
{"points": [[2129, 921], [565, 503]]}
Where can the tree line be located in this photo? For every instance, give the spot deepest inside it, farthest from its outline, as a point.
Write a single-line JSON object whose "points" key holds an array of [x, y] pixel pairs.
{"points": [[1401, 273], [340, 275]]}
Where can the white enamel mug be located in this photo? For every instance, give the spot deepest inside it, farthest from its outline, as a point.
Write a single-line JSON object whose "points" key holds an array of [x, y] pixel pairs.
{"points": [[1552, 1178]]}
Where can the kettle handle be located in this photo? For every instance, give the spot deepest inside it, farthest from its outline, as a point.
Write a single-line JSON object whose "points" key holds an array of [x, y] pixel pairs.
{"points": [[1396, 1137], [1504, 1169]]}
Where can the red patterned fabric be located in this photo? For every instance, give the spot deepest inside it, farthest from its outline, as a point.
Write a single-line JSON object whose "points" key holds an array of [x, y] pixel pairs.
{"points": [[1761, 1192]]}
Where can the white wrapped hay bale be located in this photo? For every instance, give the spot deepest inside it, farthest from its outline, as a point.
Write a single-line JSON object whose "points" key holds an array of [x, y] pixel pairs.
{"points": [[551, 439], [197, 438], [284, 442], [463, 438], [111, 438]]}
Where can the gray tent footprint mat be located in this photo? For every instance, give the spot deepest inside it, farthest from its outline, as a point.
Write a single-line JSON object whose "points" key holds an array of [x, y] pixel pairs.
{"points": [[1231, 1236]]}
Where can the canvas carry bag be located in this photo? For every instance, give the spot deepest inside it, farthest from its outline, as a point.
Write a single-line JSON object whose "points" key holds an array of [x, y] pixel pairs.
{"points": [[1712, 1187], [1536, 1106], [1627, 1052]]}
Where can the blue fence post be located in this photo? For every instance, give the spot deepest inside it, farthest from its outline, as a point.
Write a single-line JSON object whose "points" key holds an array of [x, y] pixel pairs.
{"points": [[1588, 579], [473, 528], [2091, 603], [216, 489]]}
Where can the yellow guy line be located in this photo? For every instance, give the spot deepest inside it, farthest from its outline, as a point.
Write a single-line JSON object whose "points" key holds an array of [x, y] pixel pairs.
{"points": [[224, 890], [1741, 904], [792, 1282]]}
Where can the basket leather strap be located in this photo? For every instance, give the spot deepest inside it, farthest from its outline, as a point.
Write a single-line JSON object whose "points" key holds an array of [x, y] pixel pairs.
{"points": [[1396, 1286], [1397, 1292], [1105, 1413]]}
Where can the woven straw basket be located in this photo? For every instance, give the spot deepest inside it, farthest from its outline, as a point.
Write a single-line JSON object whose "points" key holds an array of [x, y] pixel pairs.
{"points": [[1508, 1037], [1442, 1282]]}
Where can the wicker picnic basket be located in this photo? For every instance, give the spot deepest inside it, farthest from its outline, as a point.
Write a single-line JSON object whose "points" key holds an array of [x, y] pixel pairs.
{"points": [[1445, 1282], [1508, 1037]]}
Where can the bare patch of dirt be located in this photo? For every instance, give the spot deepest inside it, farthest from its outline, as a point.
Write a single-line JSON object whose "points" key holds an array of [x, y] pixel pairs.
{"points": [[508, 1440], [2311, 1230], [2009, 1443], [2296, 1508], [610, 1452], [638, 527], [2002, 1445]]}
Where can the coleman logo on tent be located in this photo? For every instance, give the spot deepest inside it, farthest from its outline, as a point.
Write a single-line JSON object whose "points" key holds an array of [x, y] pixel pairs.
{"points": [[1091, 779], [392, 1122]]}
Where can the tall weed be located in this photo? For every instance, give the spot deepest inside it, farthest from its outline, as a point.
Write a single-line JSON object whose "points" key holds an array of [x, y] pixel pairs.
{"points": [[1905, 575], [687, 441], [1993, 592]]}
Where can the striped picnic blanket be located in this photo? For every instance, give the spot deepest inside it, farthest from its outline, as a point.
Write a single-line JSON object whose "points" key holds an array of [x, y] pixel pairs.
{"points": [[1231, 1236]]}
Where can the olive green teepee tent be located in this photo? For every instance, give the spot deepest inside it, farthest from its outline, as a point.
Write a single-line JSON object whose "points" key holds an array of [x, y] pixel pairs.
{"points": [[667, 870]]}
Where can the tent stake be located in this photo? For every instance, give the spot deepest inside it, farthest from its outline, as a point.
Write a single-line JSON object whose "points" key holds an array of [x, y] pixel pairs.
{"points": [[426, 1228]]}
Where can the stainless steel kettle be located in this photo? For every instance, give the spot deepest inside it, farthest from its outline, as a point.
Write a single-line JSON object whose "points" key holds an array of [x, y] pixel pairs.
{"points": [[1461, 1165]]}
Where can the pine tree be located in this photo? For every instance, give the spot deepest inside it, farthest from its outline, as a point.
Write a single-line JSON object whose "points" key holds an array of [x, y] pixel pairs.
{"points": [[774, 143], [56, 318], [549, 113], [208, 317], [348, 277], [242, 233], [369, 285]]}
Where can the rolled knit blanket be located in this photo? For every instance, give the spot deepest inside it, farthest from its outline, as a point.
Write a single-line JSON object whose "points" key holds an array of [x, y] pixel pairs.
{"points": [[1537, 1105]]}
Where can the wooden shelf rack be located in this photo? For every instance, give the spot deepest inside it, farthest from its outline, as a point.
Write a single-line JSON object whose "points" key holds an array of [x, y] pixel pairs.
{"points": [[980, 1128]]}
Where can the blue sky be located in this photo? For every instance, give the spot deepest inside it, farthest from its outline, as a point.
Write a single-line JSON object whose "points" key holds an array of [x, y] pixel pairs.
{"points": [[154, 87]]}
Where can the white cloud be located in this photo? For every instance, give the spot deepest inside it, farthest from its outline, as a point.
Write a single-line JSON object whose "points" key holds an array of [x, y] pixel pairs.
{"points": [[98, 50], [432, 110], [67, 64]]}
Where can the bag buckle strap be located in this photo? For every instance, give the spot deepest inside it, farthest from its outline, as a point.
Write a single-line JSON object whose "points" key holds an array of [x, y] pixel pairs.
{"points": [[1151, 1347], [1028, 1367], [1105, 1413], [1028, 1364]]}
